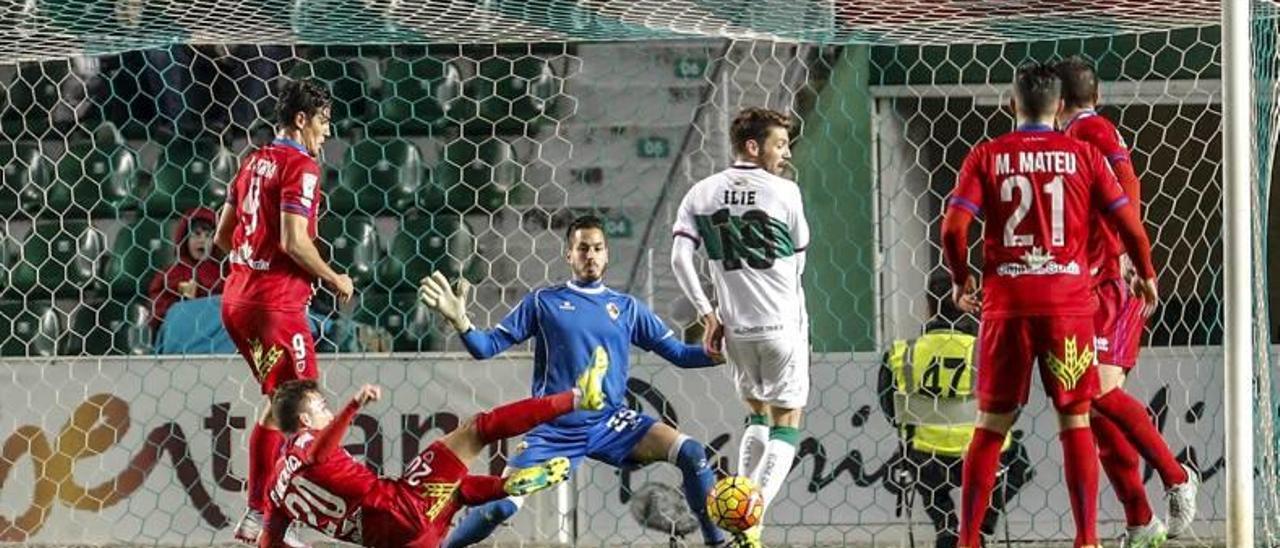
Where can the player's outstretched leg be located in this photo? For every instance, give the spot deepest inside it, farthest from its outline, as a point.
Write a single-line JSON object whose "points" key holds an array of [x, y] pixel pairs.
{"points": [[1121, 462], [697, 478], [1130, 415], [512, 420]]}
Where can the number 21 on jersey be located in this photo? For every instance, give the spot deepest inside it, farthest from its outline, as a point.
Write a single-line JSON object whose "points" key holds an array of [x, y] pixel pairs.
{"points": [[1053, 190]]}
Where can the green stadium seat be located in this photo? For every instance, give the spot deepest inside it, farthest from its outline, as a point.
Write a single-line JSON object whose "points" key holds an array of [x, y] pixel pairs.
{"points": [[141, 248], [512, 92], [135, 337], [94, 176], [30, 329], [378, 176], [424, 244], [95, 328], [418, 95], [10, 251], [346, 81], [189, 174], [354, 246], [35, 91], [15, 156], [408, 322], [481, 177], [60, 258]]}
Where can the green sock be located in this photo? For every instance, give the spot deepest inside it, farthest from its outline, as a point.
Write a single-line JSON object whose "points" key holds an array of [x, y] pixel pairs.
{"points": [[754, 419], [789, 434]]}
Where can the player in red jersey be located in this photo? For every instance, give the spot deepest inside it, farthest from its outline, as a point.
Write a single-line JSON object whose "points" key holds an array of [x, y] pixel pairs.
{"points": [[318, 483], [1040, 192], [1119, 421], [267, 227]]}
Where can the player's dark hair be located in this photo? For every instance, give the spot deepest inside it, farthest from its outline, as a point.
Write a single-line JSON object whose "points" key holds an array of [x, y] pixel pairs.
{"points": [[287, 402], [754, 123], [307, 96], [583, 222], [1038, 89], [1079, 81]]}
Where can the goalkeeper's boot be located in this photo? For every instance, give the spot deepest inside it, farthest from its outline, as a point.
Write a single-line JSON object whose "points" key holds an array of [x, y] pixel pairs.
{"points": [[591, 383], [527, 481], [749, 538], [250, 527], [291, 539], [1182, 503]]}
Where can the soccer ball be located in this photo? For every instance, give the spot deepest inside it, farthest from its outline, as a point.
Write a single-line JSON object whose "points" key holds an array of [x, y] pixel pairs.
{"points": [[735, 504]]}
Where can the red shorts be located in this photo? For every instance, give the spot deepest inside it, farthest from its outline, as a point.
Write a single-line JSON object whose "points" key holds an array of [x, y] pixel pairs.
{"points": [[1008, 347], [428, 489], [1118, 324], [277, 345]]}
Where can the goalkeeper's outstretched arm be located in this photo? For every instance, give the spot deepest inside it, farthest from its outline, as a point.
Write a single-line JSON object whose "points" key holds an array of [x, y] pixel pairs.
{"points": [[451, 304]]}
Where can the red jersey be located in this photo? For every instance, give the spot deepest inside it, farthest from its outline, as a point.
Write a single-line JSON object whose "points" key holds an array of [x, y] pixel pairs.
{"points": [[320, 484], [280, 177], [1041, 192], [1105, 247]]}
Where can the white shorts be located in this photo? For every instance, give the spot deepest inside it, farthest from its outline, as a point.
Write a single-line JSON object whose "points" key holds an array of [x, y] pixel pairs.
{"points": [[773, 371]]}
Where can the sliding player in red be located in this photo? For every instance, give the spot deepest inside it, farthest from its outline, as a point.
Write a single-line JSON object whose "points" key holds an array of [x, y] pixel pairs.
{"points": [[1040, 192], [318, 483], [1119, 421]]}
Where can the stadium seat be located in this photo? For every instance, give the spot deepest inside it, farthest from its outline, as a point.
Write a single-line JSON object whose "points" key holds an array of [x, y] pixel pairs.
{"points": [[481, 177], [189, 174], [418, 95], [408, 322], [354, 246], [35, 91], [135, 336], [95, 327], [378, 176], [30, 329], [427, 243], [94, 175], [10, 251], [346, 80], [141, 248], [14, 158], [512, 92], [60, 258]]}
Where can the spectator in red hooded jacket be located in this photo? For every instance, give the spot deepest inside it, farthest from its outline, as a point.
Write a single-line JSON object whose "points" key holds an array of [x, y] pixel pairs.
{"points": [[198, 271]]}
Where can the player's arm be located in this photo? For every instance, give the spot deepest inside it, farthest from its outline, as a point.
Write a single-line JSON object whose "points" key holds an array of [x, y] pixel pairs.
{"points": [[652, 334], [226, 226], [684, 245], [451, 303], [330, 438], [295, 241], [273, 531], [1112, 199], [963, 205]]}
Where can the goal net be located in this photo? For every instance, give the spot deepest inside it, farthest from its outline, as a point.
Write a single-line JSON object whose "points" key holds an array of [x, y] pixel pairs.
{"points": [[467, 134]]}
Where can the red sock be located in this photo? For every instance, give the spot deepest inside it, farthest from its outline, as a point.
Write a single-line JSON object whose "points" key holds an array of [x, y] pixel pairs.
{"points": [[518, 417], [264, 449], [477, 490], [1131, 416], [979, 478], [1080, 466], [1120, 461]]}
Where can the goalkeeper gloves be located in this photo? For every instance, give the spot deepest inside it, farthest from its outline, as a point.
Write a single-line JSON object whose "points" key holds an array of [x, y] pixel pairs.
{"points": [[450, 303]]}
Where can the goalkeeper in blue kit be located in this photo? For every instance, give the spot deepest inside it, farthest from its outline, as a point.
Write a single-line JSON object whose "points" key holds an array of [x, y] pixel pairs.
{"points": [[582, 326]]}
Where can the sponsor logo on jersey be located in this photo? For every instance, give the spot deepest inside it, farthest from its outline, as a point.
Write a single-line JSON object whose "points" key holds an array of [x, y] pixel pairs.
{"points": [[1075, 360], [613, 311], [1037, 262], [566, 305]]}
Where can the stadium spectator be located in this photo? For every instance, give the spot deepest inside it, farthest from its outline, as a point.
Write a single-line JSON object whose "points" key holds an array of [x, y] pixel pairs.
{"points": [[197, 270]]}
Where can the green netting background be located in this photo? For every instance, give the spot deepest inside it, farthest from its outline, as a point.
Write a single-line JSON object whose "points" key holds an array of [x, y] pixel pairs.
{"points": [[467, 134]]}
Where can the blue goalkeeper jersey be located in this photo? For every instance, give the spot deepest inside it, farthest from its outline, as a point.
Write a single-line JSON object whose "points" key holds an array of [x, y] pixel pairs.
{"points": [[568, 322]]}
